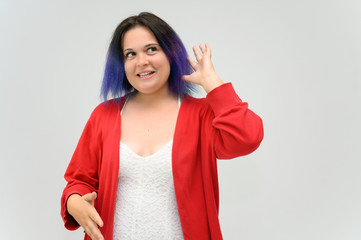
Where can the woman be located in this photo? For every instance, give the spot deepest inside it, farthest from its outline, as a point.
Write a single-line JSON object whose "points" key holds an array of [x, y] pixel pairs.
{"points": [[145, 165]]}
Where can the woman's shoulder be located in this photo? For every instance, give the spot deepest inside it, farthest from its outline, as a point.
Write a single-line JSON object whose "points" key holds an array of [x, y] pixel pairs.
{"points": [[195, 104], [108, 108], [195, 101]]}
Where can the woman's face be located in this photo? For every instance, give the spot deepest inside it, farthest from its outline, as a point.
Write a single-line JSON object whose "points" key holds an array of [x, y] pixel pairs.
{"points": [[146, 65]]}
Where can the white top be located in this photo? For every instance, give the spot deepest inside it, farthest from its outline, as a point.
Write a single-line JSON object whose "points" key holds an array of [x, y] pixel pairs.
{"points": [[146, 207]]}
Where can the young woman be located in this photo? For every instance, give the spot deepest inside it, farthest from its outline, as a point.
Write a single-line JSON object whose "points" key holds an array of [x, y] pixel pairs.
{"points": [[146, 164]]}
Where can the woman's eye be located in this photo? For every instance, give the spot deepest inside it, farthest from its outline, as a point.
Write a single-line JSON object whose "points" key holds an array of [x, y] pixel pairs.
{"points": [[129, 54], [151, 49]]}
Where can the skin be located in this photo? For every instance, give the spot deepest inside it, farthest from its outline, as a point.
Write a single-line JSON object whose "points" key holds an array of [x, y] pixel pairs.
{"points": [[149, 117], [83, 211]]}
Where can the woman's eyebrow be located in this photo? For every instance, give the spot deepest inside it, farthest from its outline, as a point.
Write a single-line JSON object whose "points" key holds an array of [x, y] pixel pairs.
{"points": [[128, 49], [148, 45], [151, 44]]}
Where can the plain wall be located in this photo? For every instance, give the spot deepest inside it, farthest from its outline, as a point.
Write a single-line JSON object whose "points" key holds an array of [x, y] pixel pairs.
{"points": [[297, 64]]}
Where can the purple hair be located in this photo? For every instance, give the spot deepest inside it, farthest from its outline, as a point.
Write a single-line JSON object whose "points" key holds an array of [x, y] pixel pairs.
{"points": [[115, 83]]}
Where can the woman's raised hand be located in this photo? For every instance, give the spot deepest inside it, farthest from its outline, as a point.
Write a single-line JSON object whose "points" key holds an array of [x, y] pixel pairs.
{"points": [[83, 211], [204, 73]]}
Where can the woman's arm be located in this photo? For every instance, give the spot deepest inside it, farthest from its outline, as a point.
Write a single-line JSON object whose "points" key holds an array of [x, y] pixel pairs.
{"points": [[77, 202], [239, 131]]}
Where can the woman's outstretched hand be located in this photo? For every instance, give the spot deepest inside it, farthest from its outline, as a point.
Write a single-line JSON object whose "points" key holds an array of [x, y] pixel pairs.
{"points": [[83, 211], [204, 73]]}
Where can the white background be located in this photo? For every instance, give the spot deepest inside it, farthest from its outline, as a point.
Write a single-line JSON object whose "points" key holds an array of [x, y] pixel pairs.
{"points": [[297, 64]]}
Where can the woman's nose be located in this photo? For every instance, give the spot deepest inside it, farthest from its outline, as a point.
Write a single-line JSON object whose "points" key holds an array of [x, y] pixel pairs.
{"points": [[142, 59]]}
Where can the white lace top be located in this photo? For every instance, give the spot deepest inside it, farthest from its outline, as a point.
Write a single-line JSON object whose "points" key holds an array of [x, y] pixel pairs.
{"points": [[146, 206]]}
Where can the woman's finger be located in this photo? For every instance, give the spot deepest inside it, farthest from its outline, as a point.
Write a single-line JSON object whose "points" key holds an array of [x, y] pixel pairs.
{"points": [[189, 78], [185, 78], [94, 215], [197, 54], [93, 231], [193, 63], [203, 49], [208, 50], [90, 196]]}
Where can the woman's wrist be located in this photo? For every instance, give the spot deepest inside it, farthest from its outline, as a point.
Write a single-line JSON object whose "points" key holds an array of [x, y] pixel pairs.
{"points": [[70, 202], [212, 83]]}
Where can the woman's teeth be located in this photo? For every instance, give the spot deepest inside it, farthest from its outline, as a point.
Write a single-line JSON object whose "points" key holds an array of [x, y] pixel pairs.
{"points": [[144, 74]]}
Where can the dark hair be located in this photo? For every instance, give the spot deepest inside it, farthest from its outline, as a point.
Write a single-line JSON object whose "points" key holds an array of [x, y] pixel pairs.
{"points": [[115, 82]]}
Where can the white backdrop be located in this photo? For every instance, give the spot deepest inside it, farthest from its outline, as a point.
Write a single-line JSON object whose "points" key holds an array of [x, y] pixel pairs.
{"points": [[297, 64]]}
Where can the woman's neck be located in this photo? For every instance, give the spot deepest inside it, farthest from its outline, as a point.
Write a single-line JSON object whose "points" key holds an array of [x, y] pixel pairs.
{"points": [[153, 99]]}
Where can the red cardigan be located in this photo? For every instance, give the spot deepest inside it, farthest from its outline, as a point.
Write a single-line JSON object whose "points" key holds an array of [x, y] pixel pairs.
{"points": [[218, 126]]}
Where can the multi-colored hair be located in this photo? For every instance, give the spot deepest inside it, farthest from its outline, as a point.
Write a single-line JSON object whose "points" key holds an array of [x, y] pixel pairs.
{"points": [[115, 83]]}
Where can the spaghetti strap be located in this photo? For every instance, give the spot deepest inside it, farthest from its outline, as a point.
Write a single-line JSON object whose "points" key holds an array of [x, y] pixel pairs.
{"points": [[126, 100]]}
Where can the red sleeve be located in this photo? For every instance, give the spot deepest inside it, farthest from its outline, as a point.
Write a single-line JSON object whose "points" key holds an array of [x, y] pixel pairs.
{"points": [[239, 131], [82, 172]]}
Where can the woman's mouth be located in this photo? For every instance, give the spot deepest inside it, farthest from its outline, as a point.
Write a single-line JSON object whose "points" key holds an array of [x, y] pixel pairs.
{"points": [[145, 75]]}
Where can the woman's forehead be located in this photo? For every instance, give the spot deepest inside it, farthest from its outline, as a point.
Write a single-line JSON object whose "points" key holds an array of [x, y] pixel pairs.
{"points": [[138, 37]]}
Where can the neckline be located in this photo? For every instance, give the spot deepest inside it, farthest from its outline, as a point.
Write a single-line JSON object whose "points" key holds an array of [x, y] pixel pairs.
{"points": [[126, 147], [127, 98], [164, 146]]}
